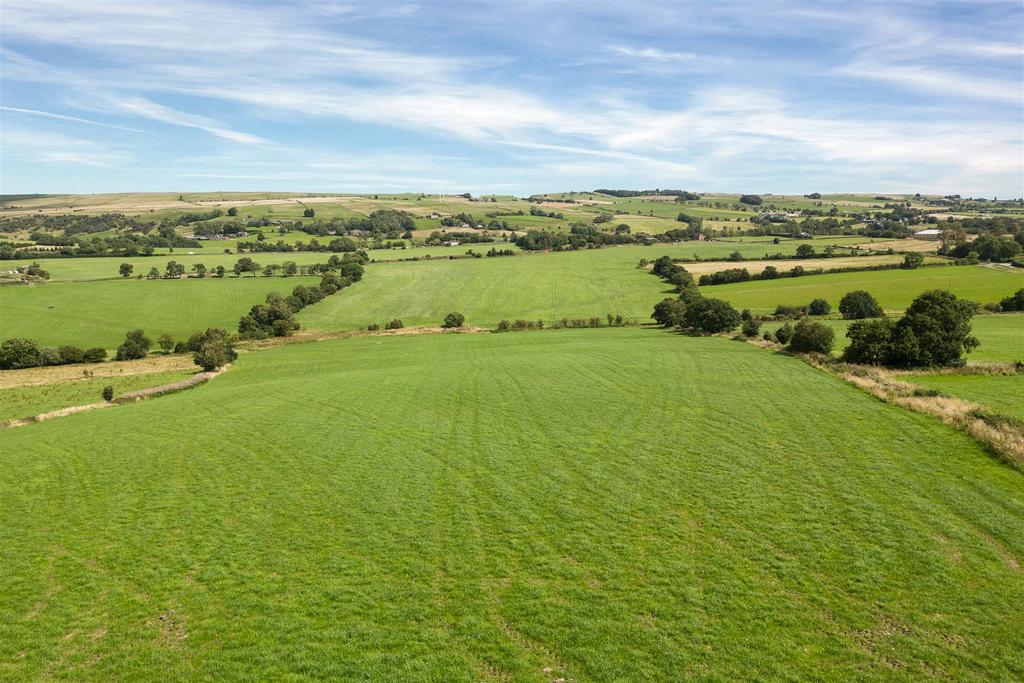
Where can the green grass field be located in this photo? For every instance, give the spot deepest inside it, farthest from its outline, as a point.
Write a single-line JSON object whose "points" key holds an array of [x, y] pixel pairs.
{"points": [[894, 289], [100, 313], [19, 402], [1000, 393], [588, 505], [534, 286]]}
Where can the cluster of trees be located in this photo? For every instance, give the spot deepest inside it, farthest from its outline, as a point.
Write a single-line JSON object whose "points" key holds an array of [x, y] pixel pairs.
{"points": [[807, 336], [988, 248], [583, 236], [500, 252], [19, 352], [935, 331], [817, 307], [126, 244], [649, 193], [438, 238]]}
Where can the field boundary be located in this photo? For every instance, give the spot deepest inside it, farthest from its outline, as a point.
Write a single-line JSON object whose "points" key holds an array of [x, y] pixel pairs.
{"points": [[129, 397], [999, 434]]}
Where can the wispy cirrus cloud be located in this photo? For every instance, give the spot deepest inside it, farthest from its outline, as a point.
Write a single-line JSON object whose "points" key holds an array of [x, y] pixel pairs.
{"points": [[891, 97]]}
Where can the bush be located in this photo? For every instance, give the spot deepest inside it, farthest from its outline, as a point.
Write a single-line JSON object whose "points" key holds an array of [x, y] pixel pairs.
{"points": [[812, 337], [819, 307], [372, 327], [166, 343], [869, 341], [790, 311], [858, 304], [453, 319], [751, 199], [94, 355], [784, 333], [750, 327], [19, 352], [711, 315], [71, 354], [503, 326], [108, 393], [1013, 303], [215, 353], [668, 312], [395, 324], [912, 260], [136, 345]]}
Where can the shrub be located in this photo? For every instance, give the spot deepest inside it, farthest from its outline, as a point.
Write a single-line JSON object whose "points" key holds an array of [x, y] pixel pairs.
{"points": [[49, 356], [215, 350], [711, 315], [751, 199], [70, 354], [395, 324], [166, 343], [912, 260], [503, 326], [108, 393], [372, 327], [819, 307], [1013, 303], [750, 327], [136, 345], [790, 311], [668, 312], [869, 341], [19, 352], [94, 355], [784, 333], [811, 337], [858, 304], [453, 319]]}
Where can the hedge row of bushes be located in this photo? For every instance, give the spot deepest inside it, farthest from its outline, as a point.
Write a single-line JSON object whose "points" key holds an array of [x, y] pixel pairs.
{"points": [[19, 352]]}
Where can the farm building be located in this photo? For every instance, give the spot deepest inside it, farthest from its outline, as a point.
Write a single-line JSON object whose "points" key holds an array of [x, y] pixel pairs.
{"points": [[930, 234]]}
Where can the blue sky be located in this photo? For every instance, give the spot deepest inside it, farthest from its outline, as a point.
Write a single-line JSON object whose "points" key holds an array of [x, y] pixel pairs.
{"points": [[512, 97]]}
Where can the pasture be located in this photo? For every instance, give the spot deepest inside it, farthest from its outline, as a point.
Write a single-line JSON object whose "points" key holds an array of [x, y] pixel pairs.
{"points": [[574, 504], [999, 393], [26, 401], [894, 289], [100, 313]]}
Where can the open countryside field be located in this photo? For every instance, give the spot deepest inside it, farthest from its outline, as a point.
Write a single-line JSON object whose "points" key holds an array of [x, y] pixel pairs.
{"points": [[573, 504], [21, 402], [894, 289], [1000, 393], [100, 313]]}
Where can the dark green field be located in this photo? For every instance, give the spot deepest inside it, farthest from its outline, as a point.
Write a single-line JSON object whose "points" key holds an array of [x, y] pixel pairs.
{"points": [[587, 505]]}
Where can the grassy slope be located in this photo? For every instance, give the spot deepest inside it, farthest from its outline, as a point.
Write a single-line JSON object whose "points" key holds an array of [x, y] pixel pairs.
{"points": [[1000, 393], [17, 402], [100, 313], [1000, 336], [538, 285], [462, 507], [894, 289]]}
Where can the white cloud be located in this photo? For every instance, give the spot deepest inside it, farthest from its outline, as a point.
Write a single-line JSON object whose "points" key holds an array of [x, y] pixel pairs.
{"points": [[62, 117], [140, 106]]}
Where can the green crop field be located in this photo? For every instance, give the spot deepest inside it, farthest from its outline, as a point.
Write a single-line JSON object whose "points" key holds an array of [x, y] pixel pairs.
{"points": [[1000, 393], [894, 289], [19, 402], [100, 313], [560, 504]]}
